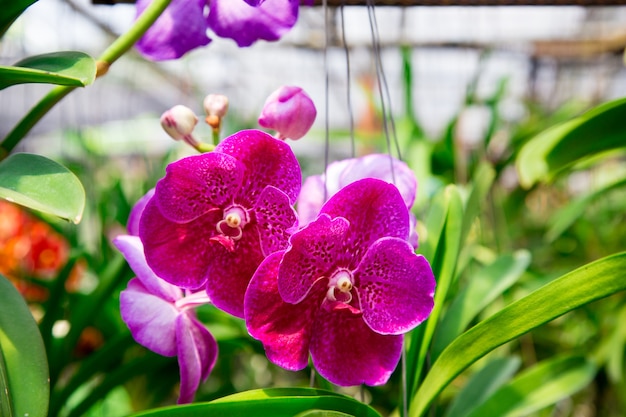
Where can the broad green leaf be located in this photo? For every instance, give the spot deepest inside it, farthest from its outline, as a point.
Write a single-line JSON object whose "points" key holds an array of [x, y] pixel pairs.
{"points": [[566, 216], [588, 283], [24, 383], [41, 184], [598, 130], [11, 10], [482, 384], [481, 289], [277, 402], [444, 263], [538, 387], [63, 68], [323, 413]]}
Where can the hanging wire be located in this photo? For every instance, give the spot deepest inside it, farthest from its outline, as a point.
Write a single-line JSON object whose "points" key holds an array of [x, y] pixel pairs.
{"points": [[348, 82], [326, 100], [380, 78]]}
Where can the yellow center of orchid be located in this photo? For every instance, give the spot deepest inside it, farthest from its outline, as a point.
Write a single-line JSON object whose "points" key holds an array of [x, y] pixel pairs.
{"points": [[235, 218], [339, 286]]}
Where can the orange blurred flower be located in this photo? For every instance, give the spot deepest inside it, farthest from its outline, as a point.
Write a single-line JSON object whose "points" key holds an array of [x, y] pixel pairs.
{"points": [[29, 248]]}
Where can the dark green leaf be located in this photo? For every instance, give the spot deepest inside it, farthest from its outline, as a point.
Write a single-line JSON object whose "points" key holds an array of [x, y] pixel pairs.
{"points": [[538, 387], [63, 68], [480, 291], [24, 383], [41, 184], [482, 384], [587, 283], [11, 10], [598, 130]]}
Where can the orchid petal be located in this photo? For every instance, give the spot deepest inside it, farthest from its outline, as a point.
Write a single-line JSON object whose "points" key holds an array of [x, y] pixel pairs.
{"points": [[136, 212], [132, 249], [310, 200], [178, 253], [347, 352], [246, 23], [151, 319], [276, 220], [181, 28], [374, 209], [311, 256], [267, 161], [383, 167], [284, 329], [230, 272], [197, 352], [197, 184], [395, 287]]}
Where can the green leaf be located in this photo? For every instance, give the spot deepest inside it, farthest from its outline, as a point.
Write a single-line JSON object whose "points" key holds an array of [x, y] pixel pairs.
{"points": [[482, 180], [538, 387], [482, 384], [483, 287], [323, 413], [444, 264], [63, 68], [275, 402], [598, 130], [11, 10], [587, 283], [41, 184], [565, 217], [24, 383]]}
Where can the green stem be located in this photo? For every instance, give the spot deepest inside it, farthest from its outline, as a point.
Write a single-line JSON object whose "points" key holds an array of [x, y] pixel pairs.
{"points": [[110, 55]]}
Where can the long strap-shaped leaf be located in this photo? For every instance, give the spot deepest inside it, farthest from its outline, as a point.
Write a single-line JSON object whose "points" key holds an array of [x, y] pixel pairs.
{"points": [[588, 283], [275, 402]]}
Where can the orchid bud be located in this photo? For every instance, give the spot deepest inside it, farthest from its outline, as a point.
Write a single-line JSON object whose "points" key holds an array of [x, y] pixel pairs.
{"points": [[216, 107], [289, 111], [179, 122]]}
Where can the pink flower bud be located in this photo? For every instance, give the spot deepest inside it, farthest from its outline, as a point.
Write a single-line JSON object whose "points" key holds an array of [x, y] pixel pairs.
{"points": [[216, 104], [289, 111], [179, 122]]}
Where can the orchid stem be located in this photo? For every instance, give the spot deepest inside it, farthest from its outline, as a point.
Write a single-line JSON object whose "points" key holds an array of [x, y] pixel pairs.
{"points": [[118, 48]]}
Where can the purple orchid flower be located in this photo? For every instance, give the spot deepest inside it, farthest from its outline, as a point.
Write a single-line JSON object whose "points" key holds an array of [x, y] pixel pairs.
{"points": [[161, 318], [214, 217], [346, 290], [341, 173], [184, 24]]}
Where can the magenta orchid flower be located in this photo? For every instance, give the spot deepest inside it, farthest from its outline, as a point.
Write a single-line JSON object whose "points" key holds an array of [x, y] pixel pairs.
{"points": [[184, 24], [346, 290], [214, 217], [161, 318], [289, 111], [341, 173]]}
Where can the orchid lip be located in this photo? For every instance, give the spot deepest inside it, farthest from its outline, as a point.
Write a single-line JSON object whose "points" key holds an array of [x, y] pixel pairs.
{"points": [[235, 219], [340, 284]]}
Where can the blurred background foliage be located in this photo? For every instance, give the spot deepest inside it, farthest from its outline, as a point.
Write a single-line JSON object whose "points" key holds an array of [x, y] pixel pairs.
{"points": [[518, 237]]}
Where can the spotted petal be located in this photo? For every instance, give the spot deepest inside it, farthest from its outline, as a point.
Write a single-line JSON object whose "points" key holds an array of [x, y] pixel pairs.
{"points": [[267, 161], [276, 220], [181, 28], [178, 253], [197, 184], [245, 22], [375, 209], [395, 287], [229, 272], [284, 329], [347, 352], [197, 352], [312, 255]]}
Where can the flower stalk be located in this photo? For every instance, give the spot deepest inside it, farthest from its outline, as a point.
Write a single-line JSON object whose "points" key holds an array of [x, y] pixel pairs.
{"points": [[118, 48]]}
